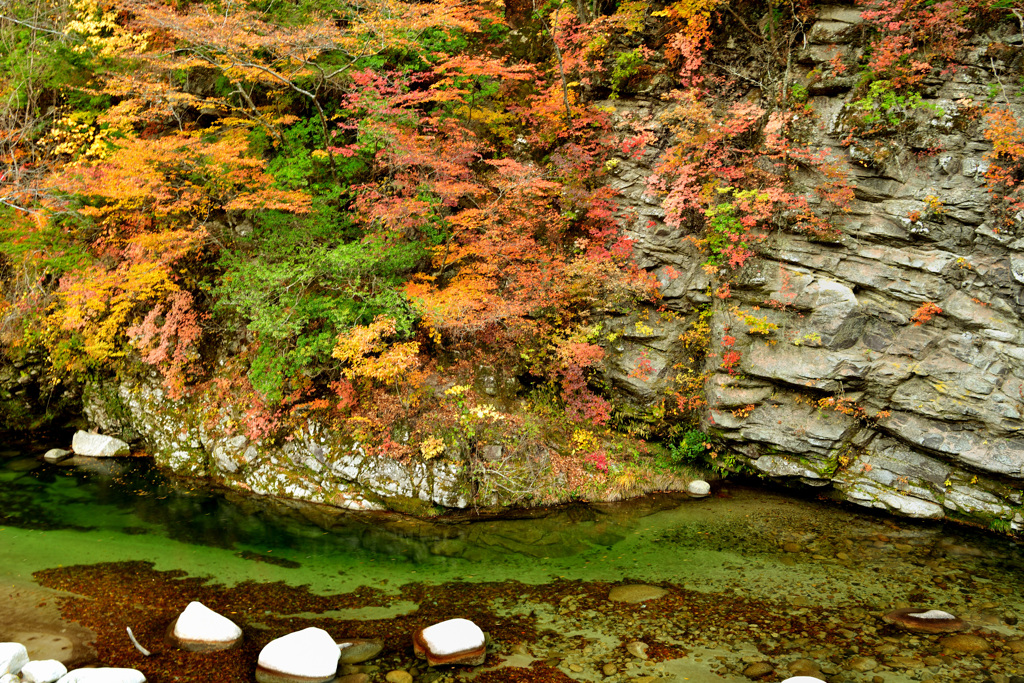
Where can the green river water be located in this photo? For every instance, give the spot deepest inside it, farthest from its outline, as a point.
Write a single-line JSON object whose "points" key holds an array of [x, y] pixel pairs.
{"points": [[751, 578]]}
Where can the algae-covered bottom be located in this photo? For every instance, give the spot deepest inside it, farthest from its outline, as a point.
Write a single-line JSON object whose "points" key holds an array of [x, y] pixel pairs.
{"points": [[752, 578]]}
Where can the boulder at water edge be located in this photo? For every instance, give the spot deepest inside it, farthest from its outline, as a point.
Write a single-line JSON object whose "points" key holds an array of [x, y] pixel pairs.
{"points": [[307, 656], [103, 676], [42, 671], [456, 641], [98, 445], [200, 629], [698, 488], [13, 656]]}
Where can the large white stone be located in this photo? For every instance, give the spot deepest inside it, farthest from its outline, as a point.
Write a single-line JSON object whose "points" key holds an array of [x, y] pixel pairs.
{"points": [[199, 623], [98, 445], [13, 656], [454, 635], [803, 679], [310, 653], [698, 487], [43, 671], [103, 676]]}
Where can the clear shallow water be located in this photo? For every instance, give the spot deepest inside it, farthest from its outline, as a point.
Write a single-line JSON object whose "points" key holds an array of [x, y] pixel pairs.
{"points": [[745, 550]]}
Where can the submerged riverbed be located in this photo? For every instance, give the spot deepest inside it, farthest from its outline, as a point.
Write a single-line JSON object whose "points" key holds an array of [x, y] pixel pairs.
{"points": [[751, 579]]}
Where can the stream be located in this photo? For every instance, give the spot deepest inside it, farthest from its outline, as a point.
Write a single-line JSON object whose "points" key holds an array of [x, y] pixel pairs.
{"points": [[755, 584]]}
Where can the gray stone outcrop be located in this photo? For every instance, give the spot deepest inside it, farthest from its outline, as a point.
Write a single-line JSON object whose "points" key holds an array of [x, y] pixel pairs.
{"points": [[314, 464], [844, 391]]}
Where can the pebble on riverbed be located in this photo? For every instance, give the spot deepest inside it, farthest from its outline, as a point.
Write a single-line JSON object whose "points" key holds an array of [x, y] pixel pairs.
{"points": [[636, 593], [925, 620], [355, 650]]}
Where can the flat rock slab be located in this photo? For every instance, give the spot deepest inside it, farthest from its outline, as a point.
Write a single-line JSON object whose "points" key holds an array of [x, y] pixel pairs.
{"points": [[636, 593], [965, 642], [306, 656], [199, 629], [98, 445], [358, 650], [31, 617], [105, 675], [923, 620]]}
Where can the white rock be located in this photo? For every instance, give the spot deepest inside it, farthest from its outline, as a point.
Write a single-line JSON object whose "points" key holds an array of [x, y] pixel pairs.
{"points": [[56, 455], [13, 656], [310, 653], [43, 671], [98, 445], [698, 487], [454, 635], [9, 678], [932, 614], [103, 676], [803, 679], [200, 623]]}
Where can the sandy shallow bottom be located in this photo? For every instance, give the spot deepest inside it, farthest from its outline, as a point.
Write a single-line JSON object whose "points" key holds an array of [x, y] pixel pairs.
{"points": [[753, 581]]}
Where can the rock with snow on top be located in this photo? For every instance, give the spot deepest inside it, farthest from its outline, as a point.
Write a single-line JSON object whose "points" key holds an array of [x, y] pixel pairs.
{"points": [[200, 629], [98, 445], [105, 675], [43, 671], [306, 656], [456, 641], [13, 656]]}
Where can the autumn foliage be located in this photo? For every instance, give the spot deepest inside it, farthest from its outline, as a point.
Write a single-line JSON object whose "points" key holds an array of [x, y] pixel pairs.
{"points": [[329, 206]]}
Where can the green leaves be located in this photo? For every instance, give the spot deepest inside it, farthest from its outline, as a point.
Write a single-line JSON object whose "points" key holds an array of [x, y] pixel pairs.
{"points": [[300, 281]]}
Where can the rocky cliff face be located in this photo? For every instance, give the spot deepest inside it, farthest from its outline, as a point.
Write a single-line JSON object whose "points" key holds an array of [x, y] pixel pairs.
{"points": [[838, 385]]}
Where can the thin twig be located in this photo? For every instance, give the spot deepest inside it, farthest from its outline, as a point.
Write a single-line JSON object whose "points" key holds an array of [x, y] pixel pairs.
{"points": [[131, 636]]}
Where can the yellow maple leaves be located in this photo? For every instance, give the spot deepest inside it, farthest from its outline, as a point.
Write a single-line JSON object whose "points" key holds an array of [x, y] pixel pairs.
{"points": [[369, 356]]}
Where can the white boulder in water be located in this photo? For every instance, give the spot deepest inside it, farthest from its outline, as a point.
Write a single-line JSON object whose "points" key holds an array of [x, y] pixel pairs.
{"points": [[13, 656], [198, 629], [98, 445], [105, 675], [309, 656], [456, 641], [698, 487], [803, 679], [42, 671]]}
